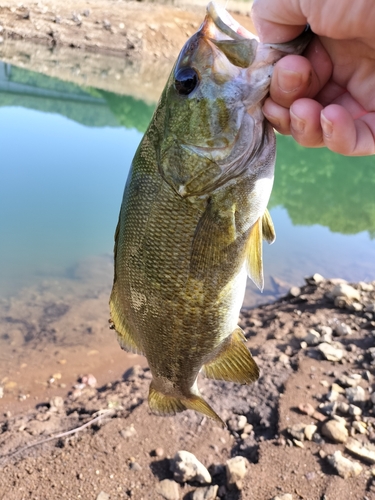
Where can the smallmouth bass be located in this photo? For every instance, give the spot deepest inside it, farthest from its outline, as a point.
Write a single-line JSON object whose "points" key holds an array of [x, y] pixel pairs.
{"points": [[194, 214]]}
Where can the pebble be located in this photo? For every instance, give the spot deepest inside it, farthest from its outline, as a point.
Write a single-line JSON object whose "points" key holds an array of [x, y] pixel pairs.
{"points": [[56, 403], [1, 392], [316, 278], [325, 330], [335, 430], [360, 450], [351, 380], [206, 493], [306, 408], [337, 388], [309, 431], [237, 423], [186, 467], [128, 432], [295, 291], [168, 489], [343, 407], [355, 410], [359, 427], [135, 466], [355, 394], [343, 329], [158, 452], [236, 469], [331, 352], [102, 496], [312, 338], [332, 396], [284, 496], [345, 290], [366, 287], [284, 359], [345, 468], [297, 431]]}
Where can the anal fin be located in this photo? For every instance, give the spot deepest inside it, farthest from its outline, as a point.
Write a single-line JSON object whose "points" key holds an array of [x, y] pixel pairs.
{"points": [[162, 404], [234, 362]]}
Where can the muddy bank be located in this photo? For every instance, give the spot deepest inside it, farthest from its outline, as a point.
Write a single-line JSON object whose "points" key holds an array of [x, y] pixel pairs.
{"points": [[123, 47], [315, 349]]}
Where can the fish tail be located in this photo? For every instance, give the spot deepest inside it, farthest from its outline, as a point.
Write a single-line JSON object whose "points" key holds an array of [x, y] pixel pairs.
{"points": [[163, 404]]}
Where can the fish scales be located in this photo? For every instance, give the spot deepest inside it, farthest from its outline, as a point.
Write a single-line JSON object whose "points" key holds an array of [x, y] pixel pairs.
{"points": [[193, 216]]}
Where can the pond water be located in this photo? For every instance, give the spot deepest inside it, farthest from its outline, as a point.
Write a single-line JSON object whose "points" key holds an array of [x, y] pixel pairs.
{"points": [[65, 155]]}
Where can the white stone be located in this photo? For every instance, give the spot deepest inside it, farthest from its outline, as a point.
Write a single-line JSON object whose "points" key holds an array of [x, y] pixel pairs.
{"points": [[360, 427], [355, 410], [236, 469], [331, 352], [343, 329], [361, 451], [356, 394], [205, 493], [345, 468], [168, 489], [345, 290], [102, 496], [284, 496], [335, 431], [237, 423], [310, 431], [312, 337], [186, 467]]}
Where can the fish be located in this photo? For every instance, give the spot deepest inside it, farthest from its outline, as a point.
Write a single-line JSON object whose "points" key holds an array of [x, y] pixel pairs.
{"points": [[194, 214]]}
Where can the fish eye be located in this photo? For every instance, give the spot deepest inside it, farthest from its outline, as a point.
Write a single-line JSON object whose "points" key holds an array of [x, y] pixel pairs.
{"points": [[186, 80]]}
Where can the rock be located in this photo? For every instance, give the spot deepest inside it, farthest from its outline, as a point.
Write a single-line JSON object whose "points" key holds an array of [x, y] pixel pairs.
{"points": [[237, 423], [330, 351], [361, 451], [315, 279], [355, 410], [337, 388], [366, 287], [297, 431], [158, 452], [284, 496], [345, 290], [206, 493], [370, 308], [135, 466], [295, 291], [102, 496], [343, 329], [310, 431], [186, 467], [332, 396], [312, 337], [356, 394], [324, 330], [236, 469], [284, 359], [306, 408], [351, 380], [343, 407], [345, 468], [336, 431], [168, 489], [1, 392], [359, 427], [128, 432]]}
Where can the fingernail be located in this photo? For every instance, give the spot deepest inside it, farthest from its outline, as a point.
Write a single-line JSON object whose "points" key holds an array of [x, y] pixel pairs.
{"points": [[272, 119], [297, 123], [288, 81], [326, 126]]}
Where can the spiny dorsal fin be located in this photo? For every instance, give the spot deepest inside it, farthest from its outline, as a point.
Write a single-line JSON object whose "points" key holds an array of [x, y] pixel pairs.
{"points": [[118, 323], [234, 362], [168, 405], [268, 228], [254, 256]]}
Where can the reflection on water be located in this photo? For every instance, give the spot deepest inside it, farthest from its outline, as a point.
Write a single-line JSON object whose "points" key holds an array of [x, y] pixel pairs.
{"points": [[65, 154]]}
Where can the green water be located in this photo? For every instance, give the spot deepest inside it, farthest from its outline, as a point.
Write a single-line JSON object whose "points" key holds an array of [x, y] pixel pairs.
{"points": [[66, 152]]}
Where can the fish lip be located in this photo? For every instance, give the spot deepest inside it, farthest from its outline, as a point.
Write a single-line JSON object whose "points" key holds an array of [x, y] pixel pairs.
{"points": [[227, 24]]}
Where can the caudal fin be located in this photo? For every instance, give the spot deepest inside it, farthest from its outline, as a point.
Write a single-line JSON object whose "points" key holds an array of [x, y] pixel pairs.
{"points": [[168, 405]]}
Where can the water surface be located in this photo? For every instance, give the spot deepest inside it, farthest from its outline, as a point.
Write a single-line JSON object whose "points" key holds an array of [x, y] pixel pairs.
{"points": [[65, 155]]}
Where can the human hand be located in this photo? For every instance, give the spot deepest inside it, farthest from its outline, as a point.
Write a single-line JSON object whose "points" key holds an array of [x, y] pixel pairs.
{"points": [[327, 96]]}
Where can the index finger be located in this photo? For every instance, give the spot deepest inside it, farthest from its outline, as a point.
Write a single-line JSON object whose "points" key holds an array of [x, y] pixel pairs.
{"points": [[278, 21]]}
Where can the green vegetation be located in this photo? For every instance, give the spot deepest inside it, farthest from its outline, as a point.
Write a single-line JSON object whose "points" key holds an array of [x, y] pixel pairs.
{"points": [[317, 186]]}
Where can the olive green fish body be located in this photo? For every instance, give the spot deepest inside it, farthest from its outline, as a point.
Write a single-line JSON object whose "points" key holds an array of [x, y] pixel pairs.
{"points": [[193, 217]]}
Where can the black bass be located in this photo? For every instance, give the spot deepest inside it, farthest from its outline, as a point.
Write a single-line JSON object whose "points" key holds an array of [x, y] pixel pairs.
{"points": [[194, 214]]}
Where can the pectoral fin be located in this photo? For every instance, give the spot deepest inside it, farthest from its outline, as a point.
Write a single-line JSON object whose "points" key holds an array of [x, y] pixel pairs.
{"points": [[254, 254], [268, 228], [213, 240], [162, 404], [234, 362]]}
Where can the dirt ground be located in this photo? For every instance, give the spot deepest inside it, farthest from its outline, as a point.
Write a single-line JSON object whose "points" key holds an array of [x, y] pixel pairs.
{"points": [[101, 442], [125, 451]]}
